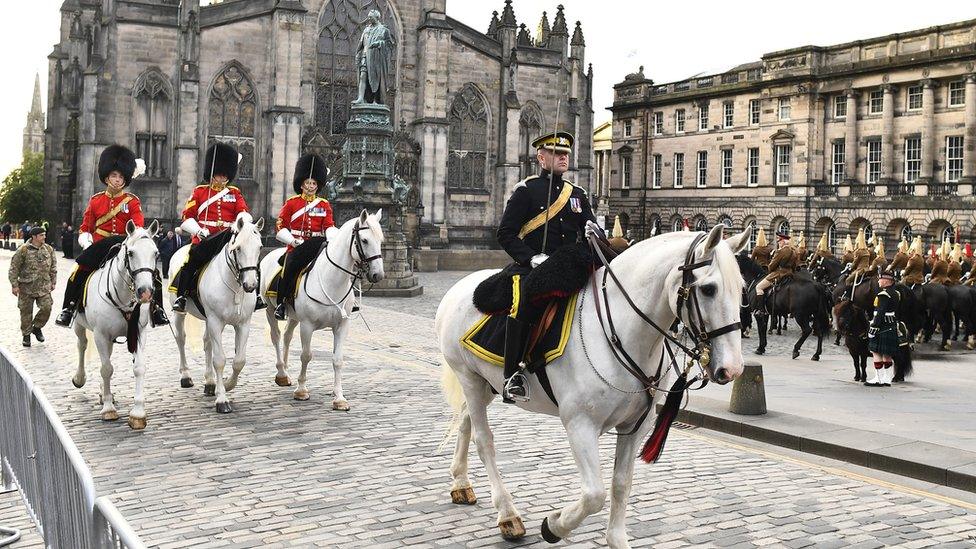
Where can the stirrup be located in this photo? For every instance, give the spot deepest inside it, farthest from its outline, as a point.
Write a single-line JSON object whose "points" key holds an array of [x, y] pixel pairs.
{"points": [[515, 389], [159, 317], [281, 311], [179, 305], [65, 316], [259, 303]]}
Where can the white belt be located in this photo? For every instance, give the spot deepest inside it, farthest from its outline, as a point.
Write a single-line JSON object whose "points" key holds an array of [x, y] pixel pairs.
{"points": [[297, 232], [215, 223]]}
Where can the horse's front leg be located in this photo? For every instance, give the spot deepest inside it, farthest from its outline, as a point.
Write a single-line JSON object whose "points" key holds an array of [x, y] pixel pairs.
{"points": [[82, 335], [289, 334], [179, 332], [584, 442], [338, 337], [281, 378], [137, 416], [214, 329], [301, 392], [623, 476], [240, 354], [104, 345], [804, 334], [762, 322]]}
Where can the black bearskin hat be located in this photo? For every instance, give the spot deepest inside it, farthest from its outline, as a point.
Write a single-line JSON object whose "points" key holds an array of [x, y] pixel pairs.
{"points": [[117, 158], [221, 159], [310, 166]]}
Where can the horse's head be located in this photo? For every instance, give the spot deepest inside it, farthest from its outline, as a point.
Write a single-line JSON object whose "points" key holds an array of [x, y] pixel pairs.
{"points": [[245, 249], [712, 305], [368, 240], [140, 257]]}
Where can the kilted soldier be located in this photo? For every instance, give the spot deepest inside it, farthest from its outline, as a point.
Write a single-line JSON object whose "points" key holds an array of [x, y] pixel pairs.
{"points": [[301, 225], [883, 333], [543, 230], [209, 212], [33, 274], [102, 228]]}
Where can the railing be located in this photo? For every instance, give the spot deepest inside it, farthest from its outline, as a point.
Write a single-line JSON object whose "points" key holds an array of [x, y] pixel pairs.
{"points": [[39, 457], [824, 189], [901, 189], [866, 189], [943, 189]]}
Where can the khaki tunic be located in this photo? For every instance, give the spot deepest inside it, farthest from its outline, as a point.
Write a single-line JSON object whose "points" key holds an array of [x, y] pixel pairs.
{"points": [[899, 262], [914, 272], [762, 255], [940, 272], [954, 273], [782, 264]]}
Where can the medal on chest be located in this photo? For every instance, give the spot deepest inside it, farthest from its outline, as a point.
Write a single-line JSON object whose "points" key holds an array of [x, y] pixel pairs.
{"points": [[575, 205]]}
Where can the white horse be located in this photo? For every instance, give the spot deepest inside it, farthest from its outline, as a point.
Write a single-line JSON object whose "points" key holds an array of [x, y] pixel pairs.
{"points": [[227, 293], [120, 288], [595, 393], [325, 297]]}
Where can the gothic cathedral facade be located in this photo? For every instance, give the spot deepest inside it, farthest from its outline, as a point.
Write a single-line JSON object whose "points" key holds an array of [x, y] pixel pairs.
{"points": [[275, 78]]}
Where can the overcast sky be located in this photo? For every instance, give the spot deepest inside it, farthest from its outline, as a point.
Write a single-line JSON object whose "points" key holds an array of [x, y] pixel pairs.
{"points": [[672, 40]]}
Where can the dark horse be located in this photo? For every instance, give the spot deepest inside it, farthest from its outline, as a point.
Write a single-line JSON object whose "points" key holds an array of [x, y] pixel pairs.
{"points": [[752, 273], [852, 322], [807, 301]]}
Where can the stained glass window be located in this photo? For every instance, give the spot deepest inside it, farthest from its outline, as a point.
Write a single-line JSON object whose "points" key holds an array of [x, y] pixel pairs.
{"points": [[468, 140], [232, 116]]}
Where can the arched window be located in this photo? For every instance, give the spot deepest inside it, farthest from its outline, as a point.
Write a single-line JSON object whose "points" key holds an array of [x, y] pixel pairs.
{"points": [[753, 233], [701, 224], [530, 127], [151, 117], [906, 233], [868, 231], [677, 224], [655, 226], [468, 140], [341, 26], [233, 108], [832, 237], [727, 221], [783, 227], [948, 233]]}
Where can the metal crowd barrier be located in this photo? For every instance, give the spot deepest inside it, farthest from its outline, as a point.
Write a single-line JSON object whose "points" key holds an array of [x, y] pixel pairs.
{"points": [[39, 457]]}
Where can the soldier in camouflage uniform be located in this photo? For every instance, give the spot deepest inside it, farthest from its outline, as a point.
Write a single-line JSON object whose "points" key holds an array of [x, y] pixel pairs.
{"points": [[33, 274]]}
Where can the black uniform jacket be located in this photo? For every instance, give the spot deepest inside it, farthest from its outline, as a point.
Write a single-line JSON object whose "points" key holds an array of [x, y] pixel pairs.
{"points": [[885, 302], [529, 200]]}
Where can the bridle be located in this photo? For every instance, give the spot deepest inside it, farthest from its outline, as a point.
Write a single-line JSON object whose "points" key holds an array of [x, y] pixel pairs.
{"points": [[697, 352], [360, 265], [130, 273], [234, 263]]}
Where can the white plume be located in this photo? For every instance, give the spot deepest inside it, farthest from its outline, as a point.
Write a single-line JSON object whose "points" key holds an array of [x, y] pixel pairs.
{"points": [[140, 168]]}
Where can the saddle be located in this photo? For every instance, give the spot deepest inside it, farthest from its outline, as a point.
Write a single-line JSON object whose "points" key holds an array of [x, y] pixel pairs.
{"points": [[272, 290]]}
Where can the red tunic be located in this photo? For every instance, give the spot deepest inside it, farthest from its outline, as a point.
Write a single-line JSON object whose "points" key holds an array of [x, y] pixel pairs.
{"points": [[303, 221], [122, 207], [214, 210]]}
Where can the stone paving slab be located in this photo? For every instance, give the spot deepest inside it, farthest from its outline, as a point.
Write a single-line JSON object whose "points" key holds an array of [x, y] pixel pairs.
{"points": [[283, 473]]}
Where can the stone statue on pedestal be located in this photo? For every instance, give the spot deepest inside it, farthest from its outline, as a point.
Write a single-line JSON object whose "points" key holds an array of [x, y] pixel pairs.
{"points": [[374, 57]]}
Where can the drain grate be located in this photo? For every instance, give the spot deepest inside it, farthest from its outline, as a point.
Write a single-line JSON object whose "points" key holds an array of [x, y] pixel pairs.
{"points": [[683, 426]]}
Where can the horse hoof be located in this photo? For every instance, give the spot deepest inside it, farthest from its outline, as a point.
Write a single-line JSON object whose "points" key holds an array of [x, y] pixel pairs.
{"points": [[815, 357], [340, 405], [301, 394], [186, 383], [111, 415], [512, 529], [76, 384], [137, 423], [796, 354], [282, 381], [547, 533], [463, 496], [209, 390], [898, 380], [970, 346], [224, 408], [947, 346]]}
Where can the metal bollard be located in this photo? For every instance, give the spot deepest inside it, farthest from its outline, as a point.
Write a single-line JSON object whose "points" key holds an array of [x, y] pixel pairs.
{"points": [[749, 392]]}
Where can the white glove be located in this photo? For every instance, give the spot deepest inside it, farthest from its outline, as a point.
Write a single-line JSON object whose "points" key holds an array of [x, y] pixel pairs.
{"points": [[203, 233], [592, 229], [285, 237], [538, 259], [192, 228], [85, 239]]}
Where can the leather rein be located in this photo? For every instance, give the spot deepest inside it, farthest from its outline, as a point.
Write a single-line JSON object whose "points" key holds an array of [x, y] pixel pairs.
{"points": [[361, 265]]}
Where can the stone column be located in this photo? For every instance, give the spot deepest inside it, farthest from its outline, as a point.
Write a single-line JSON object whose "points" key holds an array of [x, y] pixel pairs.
{"points": [[969, 140], [850, 144], [887, 141], [928, 138]]}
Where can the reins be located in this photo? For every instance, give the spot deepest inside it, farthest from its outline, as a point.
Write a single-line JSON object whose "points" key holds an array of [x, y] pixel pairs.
{"points": [[361, 266]]}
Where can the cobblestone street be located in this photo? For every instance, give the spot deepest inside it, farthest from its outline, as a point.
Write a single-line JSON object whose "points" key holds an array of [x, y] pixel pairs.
{"points": [[283, 473]]}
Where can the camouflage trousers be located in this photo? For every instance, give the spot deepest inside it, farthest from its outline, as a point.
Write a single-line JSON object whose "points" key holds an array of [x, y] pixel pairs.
{"points": [[26, 305]]}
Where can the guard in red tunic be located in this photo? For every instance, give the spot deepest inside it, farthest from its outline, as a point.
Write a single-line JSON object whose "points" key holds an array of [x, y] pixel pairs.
{"points": [[209, 212], [103, 228], [301, 225]]}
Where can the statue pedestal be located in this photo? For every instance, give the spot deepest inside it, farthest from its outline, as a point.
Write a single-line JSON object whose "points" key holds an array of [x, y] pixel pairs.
{"points": [[368, 162]]}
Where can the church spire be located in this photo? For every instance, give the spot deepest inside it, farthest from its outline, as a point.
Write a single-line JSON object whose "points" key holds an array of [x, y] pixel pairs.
{"points": [[36, 113], [542, 33], [559, 26], [493, 26], [577, 36], [508, 15]]}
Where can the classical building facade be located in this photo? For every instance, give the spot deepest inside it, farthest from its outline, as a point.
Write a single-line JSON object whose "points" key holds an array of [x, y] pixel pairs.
{"points": [[276, 78], [34, 129], [877, 133]]}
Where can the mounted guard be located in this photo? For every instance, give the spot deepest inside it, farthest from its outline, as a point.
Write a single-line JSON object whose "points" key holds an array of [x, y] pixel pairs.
{"points": [[762, 253], [801, 250], [542, 229], [781, 266], [302, 225], [914, 272], [209, 212], [940, 266], [861, 260], [954, 271], [103, 229]]}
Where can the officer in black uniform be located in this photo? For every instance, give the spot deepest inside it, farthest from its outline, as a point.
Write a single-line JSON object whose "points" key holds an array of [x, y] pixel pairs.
{"points": [[883, 332], [545, 214]]}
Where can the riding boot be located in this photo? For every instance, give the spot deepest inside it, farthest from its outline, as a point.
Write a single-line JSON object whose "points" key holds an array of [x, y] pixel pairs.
{"points": [[516, 337], [259, 303], [179, 305], [159, 317], [281, 311], [70, 299]]}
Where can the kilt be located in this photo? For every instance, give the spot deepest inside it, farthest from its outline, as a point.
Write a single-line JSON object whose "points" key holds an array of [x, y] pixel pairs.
{"points": [[885, 342]]}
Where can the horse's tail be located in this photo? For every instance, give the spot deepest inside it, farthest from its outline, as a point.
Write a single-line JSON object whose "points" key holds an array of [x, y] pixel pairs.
{"points": [[451, 387], [903, 361], [821, 321]]}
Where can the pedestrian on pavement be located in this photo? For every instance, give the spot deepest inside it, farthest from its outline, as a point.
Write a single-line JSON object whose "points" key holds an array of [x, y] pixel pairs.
{"points": [[33, 275], [883, 333], [24, 229], [5, 230], [68, 241], [167, 247]]}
